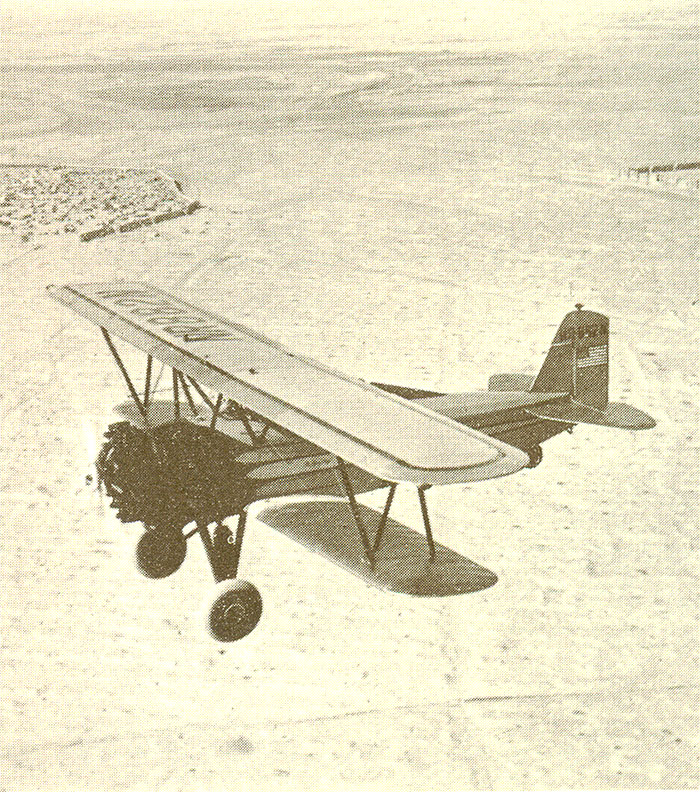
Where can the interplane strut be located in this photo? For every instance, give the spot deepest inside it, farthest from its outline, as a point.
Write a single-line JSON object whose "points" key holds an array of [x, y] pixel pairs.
{"points": [[125, 373], [224, 560], [372, 548]]}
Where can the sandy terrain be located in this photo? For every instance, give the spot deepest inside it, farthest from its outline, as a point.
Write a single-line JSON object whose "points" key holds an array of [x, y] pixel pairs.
{"points": [[420, 216]]}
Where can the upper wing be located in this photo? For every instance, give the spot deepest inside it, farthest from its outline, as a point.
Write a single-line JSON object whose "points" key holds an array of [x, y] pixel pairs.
{"points": [[390, 437]]}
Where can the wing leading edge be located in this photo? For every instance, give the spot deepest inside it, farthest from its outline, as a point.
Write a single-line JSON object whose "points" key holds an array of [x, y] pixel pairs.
{"points": [[394, 439]]}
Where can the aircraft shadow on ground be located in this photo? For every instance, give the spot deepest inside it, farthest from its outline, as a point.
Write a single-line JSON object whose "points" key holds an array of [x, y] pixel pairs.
{"points": [[402, 564]]}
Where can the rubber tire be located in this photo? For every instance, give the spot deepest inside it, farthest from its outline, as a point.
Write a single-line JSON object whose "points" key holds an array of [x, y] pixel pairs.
{"points": [[235, 610], [535, 454], [160, 553]]}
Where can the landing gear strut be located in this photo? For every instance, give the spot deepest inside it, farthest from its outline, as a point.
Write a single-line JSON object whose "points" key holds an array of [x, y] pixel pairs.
{"points": [[237, 605], [535, 454]]}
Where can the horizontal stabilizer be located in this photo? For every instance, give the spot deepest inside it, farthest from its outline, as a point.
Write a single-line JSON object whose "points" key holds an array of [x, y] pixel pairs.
{"points": [[511, 382], [616, 414]]}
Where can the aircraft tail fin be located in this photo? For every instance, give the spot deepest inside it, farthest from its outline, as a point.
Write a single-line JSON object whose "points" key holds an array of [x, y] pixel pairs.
{"points": [[577, 361]]}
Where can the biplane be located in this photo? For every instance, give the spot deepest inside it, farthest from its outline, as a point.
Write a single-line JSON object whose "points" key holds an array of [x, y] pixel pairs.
{"points": [[248, 420]]}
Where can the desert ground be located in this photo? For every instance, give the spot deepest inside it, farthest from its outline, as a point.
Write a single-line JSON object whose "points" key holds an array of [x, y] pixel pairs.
{"points": [[418, 210]]}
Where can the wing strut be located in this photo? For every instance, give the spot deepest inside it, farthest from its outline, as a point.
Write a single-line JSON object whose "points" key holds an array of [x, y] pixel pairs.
{"points": [[215, 408], [176, 393], [187, 392], [202, 394], [426, 522], [125, 373], [372, 549], [384, 518], [347, 485], [238, 410], [147, 386], [215, 411], [242, 416]]}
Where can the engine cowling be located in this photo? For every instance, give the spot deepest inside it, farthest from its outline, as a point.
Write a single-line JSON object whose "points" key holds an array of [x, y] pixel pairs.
{"points": [[175, 474]]}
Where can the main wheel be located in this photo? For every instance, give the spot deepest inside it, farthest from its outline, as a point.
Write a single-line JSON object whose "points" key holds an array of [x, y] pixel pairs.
{"points": [[160, 553], [535, 454], [235, 611]]}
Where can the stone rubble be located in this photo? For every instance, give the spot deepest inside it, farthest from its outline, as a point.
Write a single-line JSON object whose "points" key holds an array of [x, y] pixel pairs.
{"points": [[43, 200]]}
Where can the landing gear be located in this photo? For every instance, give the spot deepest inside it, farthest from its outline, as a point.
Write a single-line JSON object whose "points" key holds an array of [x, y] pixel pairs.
{"points": [[535, 454], [172, 474], [160, 553], [235, 611], [237, 604]]}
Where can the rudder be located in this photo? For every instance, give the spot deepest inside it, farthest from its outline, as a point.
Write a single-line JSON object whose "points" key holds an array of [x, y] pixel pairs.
{"points": [[577, 361]]}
